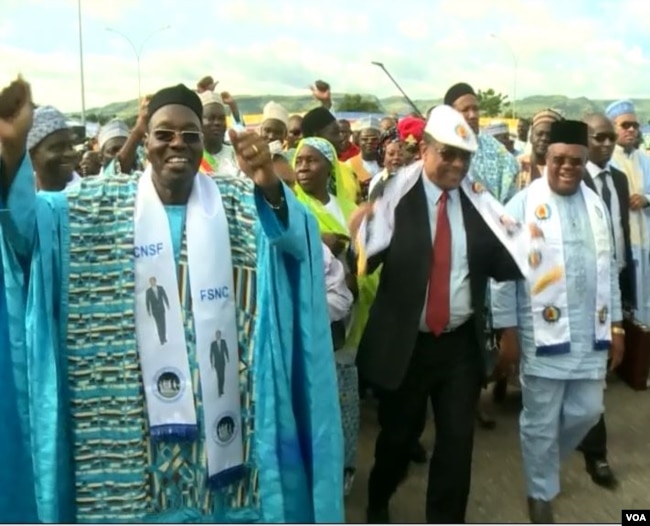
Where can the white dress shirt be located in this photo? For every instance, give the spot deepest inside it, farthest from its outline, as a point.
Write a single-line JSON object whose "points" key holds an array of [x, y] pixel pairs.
{"points": [[617, 224], [460, 296]]}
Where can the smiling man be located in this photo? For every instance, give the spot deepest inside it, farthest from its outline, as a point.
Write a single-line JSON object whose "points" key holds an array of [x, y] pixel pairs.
{"points": [[566, 316], [426, 330], [51, 148], [121, 431]]}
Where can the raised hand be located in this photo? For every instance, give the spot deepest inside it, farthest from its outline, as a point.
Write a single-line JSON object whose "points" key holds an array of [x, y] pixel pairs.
{"points": [[254, 158], [16, 114]]}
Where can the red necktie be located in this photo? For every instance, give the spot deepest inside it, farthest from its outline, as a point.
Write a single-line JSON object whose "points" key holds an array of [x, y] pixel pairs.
{"points": [[437, 313]]}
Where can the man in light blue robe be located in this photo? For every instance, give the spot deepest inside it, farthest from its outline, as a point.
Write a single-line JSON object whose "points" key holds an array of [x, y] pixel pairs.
{"points": [[636, 165], [562, 384], [77, 446]]}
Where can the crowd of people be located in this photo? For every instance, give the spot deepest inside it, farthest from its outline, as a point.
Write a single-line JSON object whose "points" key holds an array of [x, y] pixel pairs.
{"points": [[193, 313]]}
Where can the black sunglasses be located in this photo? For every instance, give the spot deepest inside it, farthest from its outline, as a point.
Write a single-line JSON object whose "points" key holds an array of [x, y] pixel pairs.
{"points": [[450, 154], [604, 136], [561, 160], [188, 137], [626, 125]]}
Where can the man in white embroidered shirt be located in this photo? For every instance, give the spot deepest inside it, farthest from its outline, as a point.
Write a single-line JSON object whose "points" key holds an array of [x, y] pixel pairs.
{"points": [[564, 338]]}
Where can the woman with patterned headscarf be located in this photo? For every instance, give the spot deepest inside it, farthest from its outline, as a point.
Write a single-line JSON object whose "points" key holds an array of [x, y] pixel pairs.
{"points": [[316, 167], [390, 157]]}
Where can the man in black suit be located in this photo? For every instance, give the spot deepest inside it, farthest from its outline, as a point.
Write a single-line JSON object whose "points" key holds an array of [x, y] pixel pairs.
{"points": [[612, 186], [218, 360], [425, 334], [156, 298]]}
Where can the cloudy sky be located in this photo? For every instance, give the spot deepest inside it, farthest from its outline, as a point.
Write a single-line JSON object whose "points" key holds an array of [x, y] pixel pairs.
{"points": [[593, 48]]}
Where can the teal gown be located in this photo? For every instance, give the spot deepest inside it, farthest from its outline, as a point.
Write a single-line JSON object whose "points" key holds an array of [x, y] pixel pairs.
{"points": [[78, 451]]}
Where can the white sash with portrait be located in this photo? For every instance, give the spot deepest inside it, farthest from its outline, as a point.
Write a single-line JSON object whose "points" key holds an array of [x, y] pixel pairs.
{"points": [[547, 282], [160, 329]]}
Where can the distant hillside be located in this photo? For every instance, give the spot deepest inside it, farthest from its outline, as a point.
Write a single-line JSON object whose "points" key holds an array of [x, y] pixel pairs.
{"points": [[253, 104]]}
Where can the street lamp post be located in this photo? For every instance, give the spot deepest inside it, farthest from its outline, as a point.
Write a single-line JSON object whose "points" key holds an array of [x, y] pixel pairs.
{"points": [[383, 68], [138, 51], [514, 63], [81, 67]]}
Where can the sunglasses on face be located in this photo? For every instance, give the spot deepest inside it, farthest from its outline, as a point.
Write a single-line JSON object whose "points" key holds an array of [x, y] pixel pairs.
{"points": [[629, 124], [561, 160], [449, 155], [188, 137], [295, 133], [602, 137]]}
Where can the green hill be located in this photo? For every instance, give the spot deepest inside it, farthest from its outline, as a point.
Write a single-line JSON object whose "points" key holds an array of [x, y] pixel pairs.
{"points": [[253, 104]]}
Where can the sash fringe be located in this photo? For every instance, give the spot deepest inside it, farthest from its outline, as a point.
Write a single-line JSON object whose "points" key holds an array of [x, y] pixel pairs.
{"points": [[174, 433], [226, 477]]}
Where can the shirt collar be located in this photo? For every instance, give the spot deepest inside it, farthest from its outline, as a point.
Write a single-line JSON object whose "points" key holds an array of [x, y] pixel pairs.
{"points": [[595, 170], [434, 191]]}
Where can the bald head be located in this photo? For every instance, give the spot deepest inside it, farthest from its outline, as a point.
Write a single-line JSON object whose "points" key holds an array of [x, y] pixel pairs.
{"points": [[596, 119], [602, 138]]}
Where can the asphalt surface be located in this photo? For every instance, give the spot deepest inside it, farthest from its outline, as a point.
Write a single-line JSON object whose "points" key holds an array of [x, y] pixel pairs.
{"points": [[498, 492]]}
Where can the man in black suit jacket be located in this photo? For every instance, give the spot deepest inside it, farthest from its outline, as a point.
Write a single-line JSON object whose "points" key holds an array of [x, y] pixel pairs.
{"points": [[156, 299], [403, 352], [612, 186]]}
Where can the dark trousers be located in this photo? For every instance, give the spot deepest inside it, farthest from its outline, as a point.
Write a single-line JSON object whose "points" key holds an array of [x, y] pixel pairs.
{"points": [[594, 445], [448, 370], [161, 326]]}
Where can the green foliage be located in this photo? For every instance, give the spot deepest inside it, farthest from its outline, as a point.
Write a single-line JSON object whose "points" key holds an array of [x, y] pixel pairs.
{"points": [[491, 103], [359, 103]]}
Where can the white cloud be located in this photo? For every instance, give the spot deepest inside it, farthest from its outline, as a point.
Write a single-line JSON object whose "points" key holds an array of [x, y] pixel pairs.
{"points": [[281, 48]]}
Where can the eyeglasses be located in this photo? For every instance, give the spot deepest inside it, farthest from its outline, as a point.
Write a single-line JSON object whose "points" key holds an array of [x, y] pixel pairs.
{"points": [[295, 133], [626, 125], [604, 136], [561, 160], [450, 154], [188, 137]]}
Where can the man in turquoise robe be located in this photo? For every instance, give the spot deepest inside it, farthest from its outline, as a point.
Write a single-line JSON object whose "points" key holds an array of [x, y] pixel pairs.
{"points": [[562, 383], [68, 269]]}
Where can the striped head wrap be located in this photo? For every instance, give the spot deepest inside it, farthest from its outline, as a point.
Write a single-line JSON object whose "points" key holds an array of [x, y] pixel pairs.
{"points": [[547, 115]]}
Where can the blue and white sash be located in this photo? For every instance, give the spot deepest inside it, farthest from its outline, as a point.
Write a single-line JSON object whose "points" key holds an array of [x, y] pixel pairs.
{"points": [[547, 280], [160, 328]]}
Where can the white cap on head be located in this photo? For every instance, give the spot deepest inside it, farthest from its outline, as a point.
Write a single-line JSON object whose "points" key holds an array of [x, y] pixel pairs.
{"points": [[447, 126], [210, 97], [273, 110]]}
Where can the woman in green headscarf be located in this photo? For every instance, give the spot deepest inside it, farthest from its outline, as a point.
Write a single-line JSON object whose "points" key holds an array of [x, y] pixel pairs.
{"points": [[316, 166]]}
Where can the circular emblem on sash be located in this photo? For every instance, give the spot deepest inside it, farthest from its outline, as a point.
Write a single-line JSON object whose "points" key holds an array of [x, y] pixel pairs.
{"points": [[169, 384], [225, 428], [461, 132], [599, 212], [551, 314], [602, 315], [535, 259], [477, 187], [543, 212], [535, 231]]}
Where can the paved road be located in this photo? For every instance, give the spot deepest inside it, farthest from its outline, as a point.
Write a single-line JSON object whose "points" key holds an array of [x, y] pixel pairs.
{"points": [[498, 491]]}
